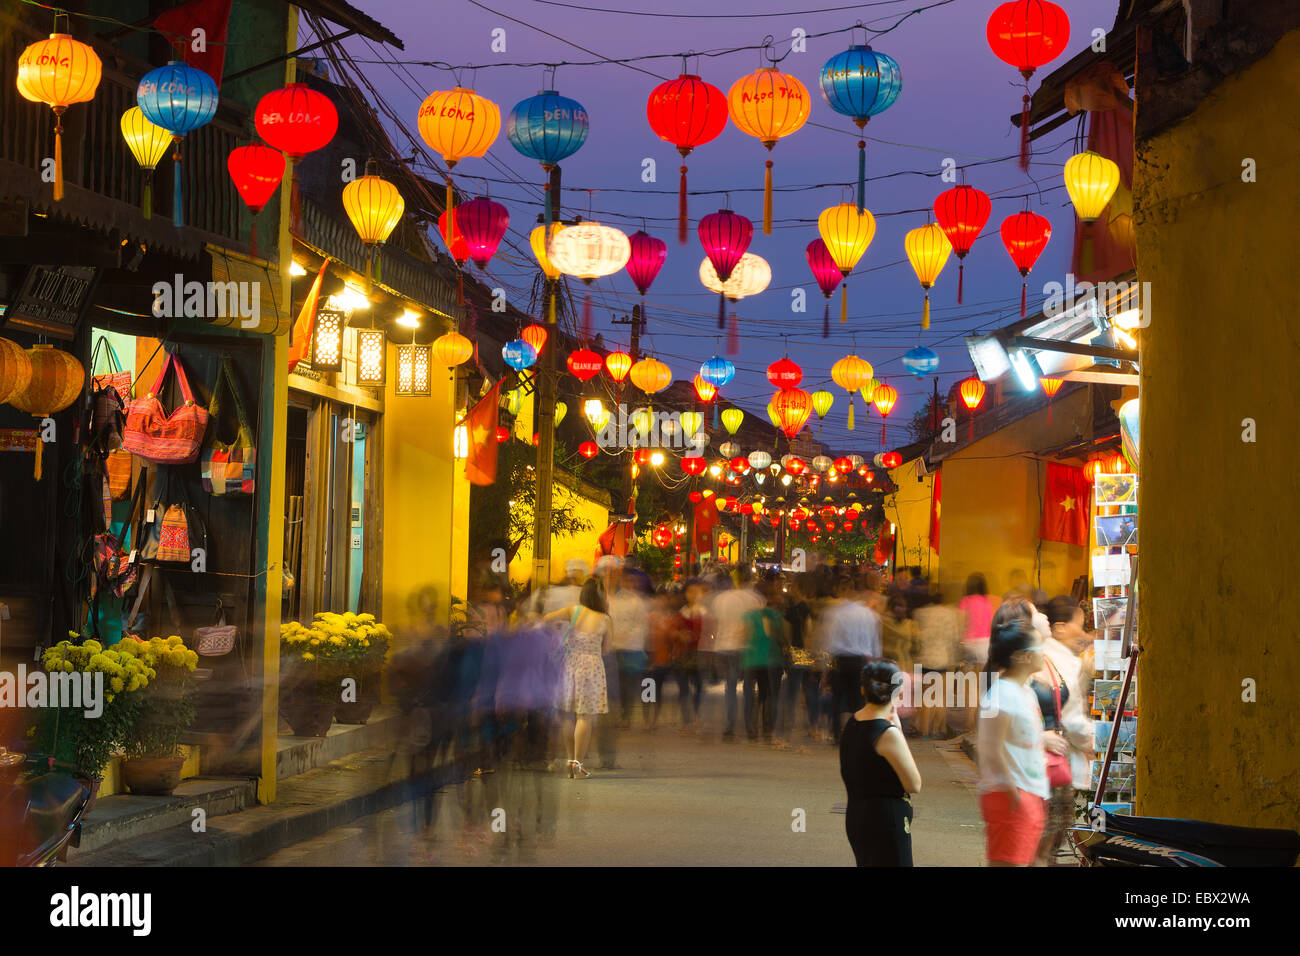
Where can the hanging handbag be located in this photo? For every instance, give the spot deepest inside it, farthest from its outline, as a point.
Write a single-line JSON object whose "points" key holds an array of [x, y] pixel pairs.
{"points": [[181, 530], [117, 473], [229, 469], [113, 567], [161, 438], [218, 640], [116, 377], [1058, 765]]}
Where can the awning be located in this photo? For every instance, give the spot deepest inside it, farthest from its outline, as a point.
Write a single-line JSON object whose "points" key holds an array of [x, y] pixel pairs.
{"points": [[255, 302]]}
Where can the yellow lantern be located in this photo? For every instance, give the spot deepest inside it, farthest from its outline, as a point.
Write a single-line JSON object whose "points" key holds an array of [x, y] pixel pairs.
{"points": [[731, 419], [58, 72], [928, 250], [851, 373], [750, 276], [15, 369], [452, 349], [54, 382], [847, 233], [640, 420], [768, 104], [1091, 180], [375, 207], [539, 241], [457, 123], [868, 391], [514, 401], [691, 423], [148, 144], [618, 365], [822, 401], [772, 413], [561, 410], [651, 375]]}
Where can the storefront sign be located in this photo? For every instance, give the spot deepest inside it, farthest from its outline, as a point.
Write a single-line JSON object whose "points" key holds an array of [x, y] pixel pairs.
{"points": [[18, 439], [53, 299]]}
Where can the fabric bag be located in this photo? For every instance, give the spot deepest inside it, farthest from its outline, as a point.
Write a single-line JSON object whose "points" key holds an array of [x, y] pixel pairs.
{"points": [[114, 568], [161, 438], [117, 473], [217, 640], [115, 378], [229, 469], [1059, 773], [174, 535]]}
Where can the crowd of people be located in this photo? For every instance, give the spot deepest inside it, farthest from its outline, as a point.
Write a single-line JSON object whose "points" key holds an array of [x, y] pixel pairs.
{"points": [[802, 659]]}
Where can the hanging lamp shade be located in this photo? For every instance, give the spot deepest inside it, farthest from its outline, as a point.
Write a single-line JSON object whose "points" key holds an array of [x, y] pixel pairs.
{"points": [[451, 349], [792, 407], [535, 335], [589, 251], [256, 171], [561, 409], [651, 375], [704, 391], [518, 354], [59, 71], [860, 83], [847, 233], [739, 465], [794, 464], [784, 373], [972, 392], [868, 390], [296, 119], [687, 112], [768, 105], [822, 401], [148, 143], [375, 207], [691, 423], [15, 369], [484, 224], [180, 99], [962, 212], [1027, 34], [458, 124], [54, 381], [1025, 235], [731, 419], [1091, 180], [584, 364], [920, 361], [618, 365], [750, 276], [927, 250], [827, 275], [849, 373], [1091, 467], [725, 237], [645, 258], [717, 371], [454, 239], [540, 243], [1050, 386], [694, 464], [884, 399], [728, 449], [771, 413], [547, 127]]}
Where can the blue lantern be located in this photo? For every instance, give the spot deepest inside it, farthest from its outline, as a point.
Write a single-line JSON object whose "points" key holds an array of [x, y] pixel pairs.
{"points": [[518, 354], [860, 83], [180, 99], [547, 127], [920, 361], [717, 371]]}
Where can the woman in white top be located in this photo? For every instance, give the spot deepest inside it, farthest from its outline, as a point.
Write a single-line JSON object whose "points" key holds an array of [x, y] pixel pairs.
{"points": [[583, 691]]}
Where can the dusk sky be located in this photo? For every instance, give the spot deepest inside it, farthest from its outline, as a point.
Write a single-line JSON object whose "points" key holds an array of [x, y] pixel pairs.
{"points": [[955, 102]]}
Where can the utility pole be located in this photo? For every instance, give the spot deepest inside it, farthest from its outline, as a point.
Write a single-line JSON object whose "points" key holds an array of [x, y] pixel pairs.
{"points": [[544, 418], [634, 326]]}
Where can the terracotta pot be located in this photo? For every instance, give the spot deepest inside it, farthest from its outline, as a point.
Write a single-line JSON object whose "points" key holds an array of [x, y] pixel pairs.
{"points": [[306, 716], [154, 776], [358, 712]]}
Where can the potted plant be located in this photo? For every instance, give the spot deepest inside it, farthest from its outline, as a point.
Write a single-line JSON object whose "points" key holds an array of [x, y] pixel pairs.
{"points": [[122, 673], [167, 710], [364, 650], [311, 670]]}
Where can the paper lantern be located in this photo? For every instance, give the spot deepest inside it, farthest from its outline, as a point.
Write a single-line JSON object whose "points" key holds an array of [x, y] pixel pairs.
{"points": [[920, 361], [794, 464], [1027, 34], [561, 409], [687, 112], [728, 449], [793, 406], [54, 381], [454, 240], [725, 237], [645, 259], [375, 207], [962, 212], [693, 465], [540, 243], [731, 419], [884, 399], [534, 335], [1051, 386], [1025, 235], [927, 250], [784, 373], [827, 275], [1114, 463], [256, 171], [180, 99], [518, 354], [692, 422], [651, 375], [514, 400], [768, 105], [59, 71], [849, 373], [821, 463], [739, 465], [148, 143], [868, 390], [1091, 468], [773, 417], [618, 364], [484, 224], [502, 434], [751, 275], [847, 233], [589, 251], [1091, 180], [889, 459], [547, 127], [860, 83], [717, 371], [584, 364], [296, 119], [822, 401], [451, 349], [15, 369], [705, 391], [588, 449], [758, 460], [458, 124], [972, 393]]}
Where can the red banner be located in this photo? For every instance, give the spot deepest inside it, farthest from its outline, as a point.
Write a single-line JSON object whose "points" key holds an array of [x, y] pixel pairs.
{"points": [[884, 545], [1065, 505], [210, 16], [481, 423], [934, 512], [300, 340], [706, 518]]}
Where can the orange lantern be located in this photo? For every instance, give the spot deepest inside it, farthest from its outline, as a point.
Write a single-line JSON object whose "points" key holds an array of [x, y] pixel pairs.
{"points": [[791, 408], [768, 104], [375, 207], [452, 349], [1091, 468], [1114, 464], [1051, 386], [850, 373], [651, 375], [458, 123], [618, 364], [706, 391], [58, 72], [55, 382], [534, 335], [972, 393], [885, 397], [15, 369]]}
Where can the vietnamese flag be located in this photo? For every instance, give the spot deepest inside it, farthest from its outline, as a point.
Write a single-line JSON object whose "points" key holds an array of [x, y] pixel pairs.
{"points": [[617, 538], [706, 517], [481, 424], [934, 512], [300, 341], [1065, 505], [884, 545], [212, 17]]}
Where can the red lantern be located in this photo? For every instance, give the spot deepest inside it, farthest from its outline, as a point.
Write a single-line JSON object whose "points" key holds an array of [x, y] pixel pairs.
{"points": [[891, 459], [1090, 469], [503, 434], [1027, 34], [1051, 386], [972, 393], [739, 464], [695, 497], [456, 245], [884, 398], [694, 464], [484, 224], [663, 536], [757, 519], [1025, 235], [827, 274], [686, 112], [296, 119], [588, 449], [747, 508], [1114, 464], [584, 363], [792, 406], [256, 171], [776, 522], [731, 503], [784, 374], [796, 466], [961, 213], [848, 526], [534, 335], [725, 237], [843, 465], [706, 391]]}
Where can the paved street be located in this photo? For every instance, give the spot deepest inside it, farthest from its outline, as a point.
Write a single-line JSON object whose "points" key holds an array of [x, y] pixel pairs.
{"points": [[677, 800]]}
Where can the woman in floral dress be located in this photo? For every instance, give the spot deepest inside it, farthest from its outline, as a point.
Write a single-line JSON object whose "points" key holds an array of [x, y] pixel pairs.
{"points": [[582, 692]]}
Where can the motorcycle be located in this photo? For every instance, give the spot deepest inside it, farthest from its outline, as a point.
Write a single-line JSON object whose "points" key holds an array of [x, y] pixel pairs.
{"points": [[1118, 840], [42, 806]]}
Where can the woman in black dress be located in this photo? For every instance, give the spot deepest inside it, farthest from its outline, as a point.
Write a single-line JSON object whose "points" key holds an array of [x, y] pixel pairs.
{"points": [[879, 773]]}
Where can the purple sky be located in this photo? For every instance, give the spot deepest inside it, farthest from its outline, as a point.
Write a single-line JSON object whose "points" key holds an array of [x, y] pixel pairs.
{"points": [[955, 102]]}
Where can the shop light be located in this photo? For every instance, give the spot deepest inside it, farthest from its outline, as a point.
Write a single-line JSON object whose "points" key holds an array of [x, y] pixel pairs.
{"points": [[656, 458], [1023, 366], [1124, 337], [1128, 319], [460, 442], [372, 352], [327, 341], [409, 319], [715, 470], [296, 269], [414, 371], [350, 300], [785, 480]]}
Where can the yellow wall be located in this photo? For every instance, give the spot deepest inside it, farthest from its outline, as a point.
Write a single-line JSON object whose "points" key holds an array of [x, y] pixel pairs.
{"points": [[582, 546], [909, 510], [1219, 516], [991, 505]]}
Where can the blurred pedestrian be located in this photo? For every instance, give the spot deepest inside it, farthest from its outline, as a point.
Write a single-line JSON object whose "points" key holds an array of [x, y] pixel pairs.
{"points": [[852, 637], [938, 629], [583, 694], [977, 612], [762, 660], [729, 610], [629, 613]]}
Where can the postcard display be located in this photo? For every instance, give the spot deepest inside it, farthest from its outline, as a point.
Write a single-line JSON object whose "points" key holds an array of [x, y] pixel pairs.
{"points": [[1115, 525]]}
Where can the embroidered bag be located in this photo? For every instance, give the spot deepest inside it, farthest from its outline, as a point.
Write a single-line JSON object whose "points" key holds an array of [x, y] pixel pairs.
{"points": [[161, 438], [229, 469]]}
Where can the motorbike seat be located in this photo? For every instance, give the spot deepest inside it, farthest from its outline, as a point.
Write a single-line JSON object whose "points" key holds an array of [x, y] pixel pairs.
{"points": [[1231, 845]]}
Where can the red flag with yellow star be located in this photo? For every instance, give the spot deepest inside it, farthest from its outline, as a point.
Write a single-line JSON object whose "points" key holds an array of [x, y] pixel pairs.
{"points": [[481, 424], [1065, 505]]}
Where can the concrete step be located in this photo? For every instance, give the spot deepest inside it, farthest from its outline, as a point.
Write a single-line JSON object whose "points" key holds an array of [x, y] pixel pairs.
{"points": [[297, 755], [129, 817]]}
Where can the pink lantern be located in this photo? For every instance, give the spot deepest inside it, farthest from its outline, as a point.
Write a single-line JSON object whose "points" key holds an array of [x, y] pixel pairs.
{"points": [[827, 274], [484, 224], [643, 265], [725, 237]]}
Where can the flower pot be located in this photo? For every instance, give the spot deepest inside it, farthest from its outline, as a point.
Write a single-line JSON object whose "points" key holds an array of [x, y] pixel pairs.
{"points": [[152, 776], [308, 717], [358, 711]]}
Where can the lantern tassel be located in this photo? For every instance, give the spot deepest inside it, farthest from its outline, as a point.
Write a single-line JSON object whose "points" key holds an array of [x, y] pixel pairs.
{"points": [[925, 311], [681, 207], [844, 303], [370, 252], [252, 237], [767, 199], [850, 411], [295, 199], [178, 210], [451, 219], [862, 175], [961, 272], [826, 320], [460, 291], [882, 434], [722, 311], [146, 195], [36, 466], [58, 181], [586, 318], [550, 307], [733, 336], [1024, 132], [379, 263], [1024, 291]]}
